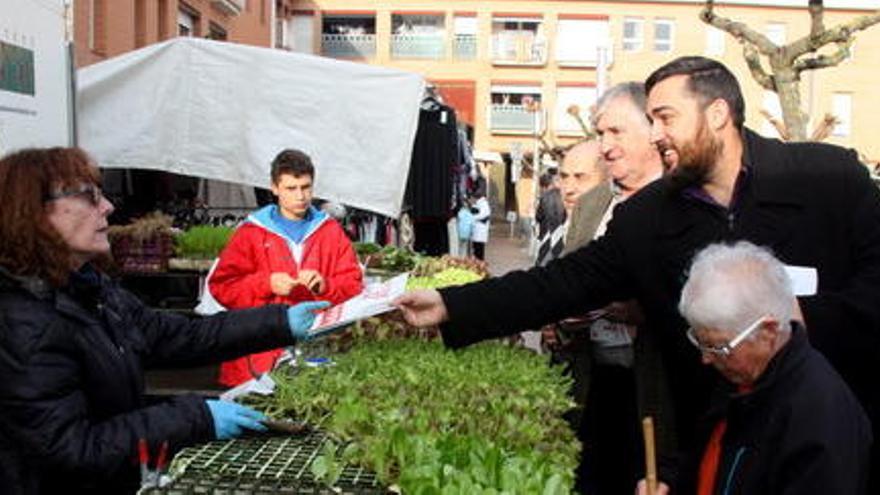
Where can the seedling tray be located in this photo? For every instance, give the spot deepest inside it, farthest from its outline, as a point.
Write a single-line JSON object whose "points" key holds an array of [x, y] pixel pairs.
{"points": [[260, 465]]}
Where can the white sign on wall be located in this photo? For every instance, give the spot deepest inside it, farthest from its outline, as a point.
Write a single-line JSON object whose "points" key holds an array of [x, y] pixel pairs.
{"points": [[34, 75]]}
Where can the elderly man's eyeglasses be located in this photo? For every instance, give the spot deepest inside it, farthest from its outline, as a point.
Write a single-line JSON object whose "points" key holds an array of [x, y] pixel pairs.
{"points": [[90, 192], [726, 349]]}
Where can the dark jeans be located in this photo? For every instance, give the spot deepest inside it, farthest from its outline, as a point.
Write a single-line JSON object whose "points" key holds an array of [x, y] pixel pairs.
{"points": [[610, 433], [479, 250]]}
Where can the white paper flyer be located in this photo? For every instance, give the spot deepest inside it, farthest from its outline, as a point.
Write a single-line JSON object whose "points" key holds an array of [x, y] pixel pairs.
{"points": [[375, 299]]}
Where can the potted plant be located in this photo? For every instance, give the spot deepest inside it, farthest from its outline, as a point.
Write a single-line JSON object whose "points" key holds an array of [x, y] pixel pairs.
{"points": [[144, 245], [197, 247]]}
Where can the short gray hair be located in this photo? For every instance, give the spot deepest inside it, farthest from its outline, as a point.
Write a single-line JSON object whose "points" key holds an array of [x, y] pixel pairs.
{"points": [[731, 286], [632, 90]]}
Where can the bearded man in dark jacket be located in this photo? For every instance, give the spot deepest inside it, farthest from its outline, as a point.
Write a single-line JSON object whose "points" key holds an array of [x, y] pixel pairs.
{"points": [[73, 344], [813, 204]]}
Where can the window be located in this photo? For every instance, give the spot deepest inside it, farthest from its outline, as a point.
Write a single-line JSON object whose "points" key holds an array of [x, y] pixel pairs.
{"points": [[568, 96], [772, 108], [515, 94], [187, 21], [465, 37], [776, 32], [216, 32], [299, 35], [579, 40], [418, 35], [510, 110], [417, 23], [664, 31], [633, 37], [518, 40], [714, 41], [841, 107], [355, 24], [348, 35]]}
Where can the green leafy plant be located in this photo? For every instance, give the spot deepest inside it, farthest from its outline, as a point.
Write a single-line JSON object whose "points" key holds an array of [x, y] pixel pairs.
{"points": [[389, 258], [202, 241], [487, 419], [366, 248], [327, 467]]}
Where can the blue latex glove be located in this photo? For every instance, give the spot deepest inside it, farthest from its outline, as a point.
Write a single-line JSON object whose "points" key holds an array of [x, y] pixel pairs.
{"points": [[232, 419], [302, 316]]}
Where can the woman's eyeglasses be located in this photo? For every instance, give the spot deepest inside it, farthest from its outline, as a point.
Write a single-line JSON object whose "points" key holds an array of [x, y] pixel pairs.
{"points": [[726, 349], [90, 192]]}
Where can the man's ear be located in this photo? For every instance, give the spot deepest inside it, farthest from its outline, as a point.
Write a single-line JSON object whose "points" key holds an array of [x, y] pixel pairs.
{"points": [[770, 328], [718, 114]]}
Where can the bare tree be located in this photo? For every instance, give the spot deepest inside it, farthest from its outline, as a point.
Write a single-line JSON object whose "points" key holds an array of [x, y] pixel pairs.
{"points": [[787, 62]]}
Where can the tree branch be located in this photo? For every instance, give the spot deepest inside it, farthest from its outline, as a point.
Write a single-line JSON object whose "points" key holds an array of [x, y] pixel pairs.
{"points": [[778, 124], [738, 30], [838, 34], [823, 61], [753, 60], [817, 21], [824, 128]]}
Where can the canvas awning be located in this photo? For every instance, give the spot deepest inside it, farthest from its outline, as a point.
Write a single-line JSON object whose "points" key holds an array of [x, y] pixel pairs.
{"points": [[222, 111]]}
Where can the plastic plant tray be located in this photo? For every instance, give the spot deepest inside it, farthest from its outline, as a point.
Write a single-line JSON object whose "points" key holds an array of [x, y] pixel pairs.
{"points": [[260, 465]]}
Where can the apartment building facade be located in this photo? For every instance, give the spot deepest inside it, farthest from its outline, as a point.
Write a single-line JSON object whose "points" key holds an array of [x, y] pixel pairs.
{"points": [[493, 60], [106, 28]]}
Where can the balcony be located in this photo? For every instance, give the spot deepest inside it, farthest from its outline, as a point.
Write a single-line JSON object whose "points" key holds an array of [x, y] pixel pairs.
{"points": [[417, 45], [518, 48], [348, 45], [513, 119], [229, 7], [465, 47]]}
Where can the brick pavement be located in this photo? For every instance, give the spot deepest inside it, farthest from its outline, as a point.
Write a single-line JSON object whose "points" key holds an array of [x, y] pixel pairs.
{"points": [[505, 253]]}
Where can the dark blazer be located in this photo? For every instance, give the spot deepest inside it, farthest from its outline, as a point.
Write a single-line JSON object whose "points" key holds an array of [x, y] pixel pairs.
{"points": [[72, 381], [800, 430], [812, 204]]}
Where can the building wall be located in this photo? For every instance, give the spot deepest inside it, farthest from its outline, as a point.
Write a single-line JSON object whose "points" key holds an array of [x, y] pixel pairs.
{"points": [[106, 28], [854, 77]]}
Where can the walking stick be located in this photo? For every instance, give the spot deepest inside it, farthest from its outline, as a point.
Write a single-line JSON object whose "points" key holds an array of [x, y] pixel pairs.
{"points": [[650, 457]]}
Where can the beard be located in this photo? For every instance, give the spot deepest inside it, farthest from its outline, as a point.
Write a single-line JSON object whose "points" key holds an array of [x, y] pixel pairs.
{"points": [[696, 160]]}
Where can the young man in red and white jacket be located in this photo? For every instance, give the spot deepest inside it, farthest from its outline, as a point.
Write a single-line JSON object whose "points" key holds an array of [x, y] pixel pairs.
{"points": [[284, 253]]}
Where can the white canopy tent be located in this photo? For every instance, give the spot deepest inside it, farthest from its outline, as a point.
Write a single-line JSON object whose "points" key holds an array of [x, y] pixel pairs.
{"points": [[222, 111]]}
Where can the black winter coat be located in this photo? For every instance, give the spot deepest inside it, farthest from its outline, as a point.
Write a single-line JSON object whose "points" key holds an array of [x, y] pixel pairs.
{"points": [[812, 204], [799, 431], [71, 381]]}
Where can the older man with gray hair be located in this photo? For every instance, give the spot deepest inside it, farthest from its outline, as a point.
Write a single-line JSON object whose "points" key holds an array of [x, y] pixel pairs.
{"points": [[783, 421], [616, 376]]}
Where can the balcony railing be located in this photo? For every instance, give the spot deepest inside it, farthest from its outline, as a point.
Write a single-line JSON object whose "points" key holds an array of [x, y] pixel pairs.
{"points": [[348, 45], [513, 118], [518, 48], [465, 46], [229, 7], [417, 45]]}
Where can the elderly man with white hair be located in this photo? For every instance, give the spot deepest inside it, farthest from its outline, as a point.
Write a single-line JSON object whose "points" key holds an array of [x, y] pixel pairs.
{"points": [[783, 421]]}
